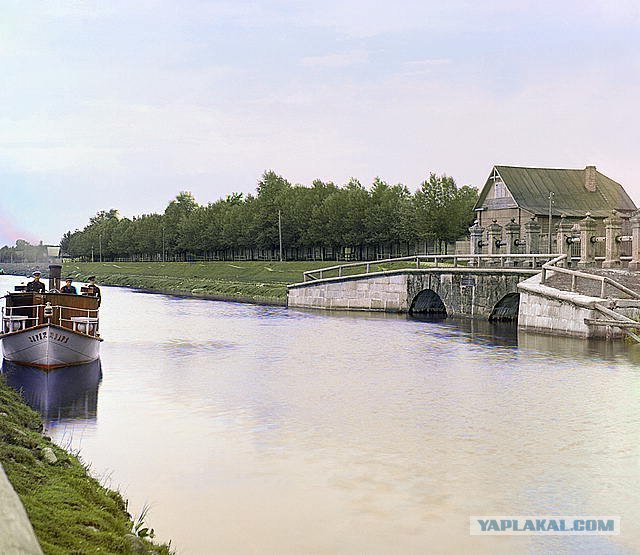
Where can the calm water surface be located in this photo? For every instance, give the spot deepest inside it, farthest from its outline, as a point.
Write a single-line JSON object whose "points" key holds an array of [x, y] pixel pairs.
{"points": [[264, 430]]}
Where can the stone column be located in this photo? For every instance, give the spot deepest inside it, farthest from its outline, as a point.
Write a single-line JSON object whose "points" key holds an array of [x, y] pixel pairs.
{"points": [[563, 231], [476, 232], [635, 242], [532, 232], [587, 250], [512, 234], [495, 237], [613, 228]]}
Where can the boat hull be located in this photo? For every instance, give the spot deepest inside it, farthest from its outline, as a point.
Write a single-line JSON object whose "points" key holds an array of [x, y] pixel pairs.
{"points": [[49, 346]]}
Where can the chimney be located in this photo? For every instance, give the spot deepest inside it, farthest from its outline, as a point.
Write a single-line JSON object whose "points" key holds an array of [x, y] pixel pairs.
{"points": [[55, 271], [590, 178]]}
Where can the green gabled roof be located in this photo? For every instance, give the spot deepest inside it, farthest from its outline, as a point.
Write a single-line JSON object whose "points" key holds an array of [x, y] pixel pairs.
{"points": [[530, 189]]}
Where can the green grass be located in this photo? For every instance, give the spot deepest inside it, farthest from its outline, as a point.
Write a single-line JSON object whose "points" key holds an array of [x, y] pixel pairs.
{"points": [[69, 510], [260, 282]]}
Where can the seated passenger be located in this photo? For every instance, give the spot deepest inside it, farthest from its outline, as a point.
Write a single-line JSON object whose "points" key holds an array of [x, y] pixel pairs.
{"points": [[68, 288]]}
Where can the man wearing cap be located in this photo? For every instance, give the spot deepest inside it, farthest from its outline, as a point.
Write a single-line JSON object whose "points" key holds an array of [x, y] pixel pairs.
{"points": [[68, 288], [93, 289], [36, 286]]}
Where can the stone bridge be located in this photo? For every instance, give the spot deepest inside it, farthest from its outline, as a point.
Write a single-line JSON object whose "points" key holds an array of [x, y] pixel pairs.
{"points": [[472, 292]]}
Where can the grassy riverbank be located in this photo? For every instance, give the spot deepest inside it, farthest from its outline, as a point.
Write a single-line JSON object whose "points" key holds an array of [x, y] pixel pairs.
{"points": [[258, 282], [69, 510]]}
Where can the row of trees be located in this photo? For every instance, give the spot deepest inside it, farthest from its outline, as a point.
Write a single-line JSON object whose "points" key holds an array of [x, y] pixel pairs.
{"points": [[321, 221]]}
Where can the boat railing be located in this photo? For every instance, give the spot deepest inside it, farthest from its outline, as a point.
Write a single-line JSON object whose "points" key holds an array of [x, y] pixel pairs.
{"points": [[81, 320], [16, 322]]}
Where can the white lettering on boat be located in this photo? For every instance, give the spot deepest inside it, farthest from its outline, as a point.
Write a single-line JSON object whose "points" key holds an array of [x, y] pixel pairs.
{"points": [[37, 337]]}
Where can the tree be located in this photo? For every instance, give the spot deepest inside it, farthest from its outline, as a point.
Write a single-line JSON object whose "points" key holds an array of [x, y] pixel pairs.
{"points": [[272, 190], [443, 210], [175, 213]]}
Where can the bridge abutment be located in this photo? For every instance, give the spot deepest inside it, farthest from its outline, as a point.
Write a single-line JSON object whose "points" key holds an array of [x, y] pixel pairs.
{"points": [[375, 292], [465, 293]]}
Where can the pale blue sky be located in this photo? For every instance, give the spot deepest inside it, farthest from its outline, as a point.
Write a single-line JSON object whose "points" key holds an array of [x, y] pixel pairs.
{"points": [[123, 104]]}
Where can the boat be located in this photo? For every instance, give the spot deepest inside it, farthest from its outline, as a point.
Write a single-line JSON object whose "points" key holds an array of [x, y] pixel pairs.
{"points": [[51, 329]]}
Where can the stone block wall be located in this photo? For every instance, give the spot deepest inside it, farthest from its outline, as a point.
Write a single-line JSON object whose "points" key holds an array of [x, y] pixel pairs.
{"points": [[550, 311], [467, 294], [386, 293]]}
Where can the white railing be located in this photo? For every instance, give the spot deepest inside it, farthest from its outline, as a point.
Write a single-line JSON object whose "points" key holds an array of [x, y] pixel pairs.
{"points": [[471, 261], [9, 316], [82, 320]]}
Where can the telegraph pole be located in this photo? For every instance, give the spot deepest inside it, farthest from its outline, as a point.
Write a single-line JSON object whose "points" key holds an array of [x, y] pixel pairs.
{"points": [[550, 216], [280, 232]]}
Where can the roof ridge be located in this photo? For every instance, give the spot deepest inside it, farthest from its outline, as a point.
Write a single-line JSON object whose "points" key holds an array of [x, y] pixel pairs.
{"points": [[539, 168]]}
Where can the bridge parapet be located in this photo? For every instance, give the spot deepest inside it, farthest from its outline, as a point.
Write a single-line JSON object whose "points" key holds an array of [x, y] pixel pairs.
{"points": [[427, 261]]}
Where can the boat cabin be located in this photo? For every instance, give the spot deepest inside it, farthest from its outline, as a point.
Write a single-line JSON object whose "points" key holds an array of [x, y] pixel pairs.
{"points": [[24, 310]]}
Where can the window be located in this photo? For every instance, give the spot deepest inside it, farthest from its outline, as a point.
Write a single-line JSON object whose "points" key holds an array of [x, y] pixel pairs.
{"points": [[500, 189]]}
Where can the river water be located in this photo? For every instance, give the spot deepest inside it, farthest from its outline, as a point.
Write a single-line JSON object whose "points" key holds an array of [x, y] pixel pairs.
{"points": [[251, 429]]}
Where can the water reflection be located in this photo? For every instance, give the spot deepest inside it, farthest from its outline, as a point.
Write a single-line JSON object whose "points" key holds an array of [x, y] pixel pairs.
{"points": [[486, 333], [507, 334], [65, 393]]}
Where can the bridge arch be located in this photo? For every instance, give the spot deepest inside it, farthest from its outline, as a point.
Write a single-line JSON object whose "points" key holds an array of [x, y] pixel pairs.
{"points": [[506, 309], [428, 302]]}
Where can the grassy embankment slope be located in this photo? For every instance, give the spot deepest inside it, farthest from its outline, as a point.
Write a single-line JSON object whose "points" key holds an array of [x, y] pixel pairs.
{"points": [[69, 510], [258, 282]]}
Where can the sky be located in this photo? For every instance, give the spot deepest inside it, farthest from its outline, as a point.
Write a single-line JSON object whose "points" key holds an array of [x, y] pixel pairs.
{"points": [[123, 104]]}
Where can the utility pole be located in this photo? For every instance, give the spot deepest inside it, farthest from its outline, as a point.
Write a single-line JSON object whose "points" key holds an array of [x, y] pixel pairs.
{"points": [[100, 245], [280, 232], [91, 253], [163, 244], [550, 216]]}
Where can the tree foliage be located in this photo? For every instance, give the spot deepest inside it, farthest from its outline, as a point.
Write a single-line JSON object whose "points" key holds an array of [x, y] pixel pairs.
{"points": [[324, 220], [443, 212]]}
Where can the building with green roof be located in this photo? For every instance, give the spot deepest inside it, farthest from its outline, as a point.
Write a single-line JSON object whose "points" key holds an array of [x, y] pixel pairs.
{"points": [[518, 193]]}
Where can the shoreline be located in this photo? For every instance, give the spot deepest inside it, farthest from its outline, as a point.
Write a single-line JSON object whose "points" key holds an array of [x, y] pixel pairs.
{"points": [[201, 296], [69, 510]]}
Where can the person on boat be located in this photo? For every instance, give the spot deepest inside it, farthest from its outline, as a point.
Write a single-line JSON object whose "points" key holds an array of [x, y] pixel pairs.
{"points": [[36, 285], [93, 289], [68, 288]]}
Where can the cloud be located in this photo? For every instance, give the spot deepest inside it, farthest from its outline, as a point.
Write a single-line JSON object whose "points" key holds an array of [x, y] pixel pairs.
{"points": [[336, 60], [423, 67]]}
